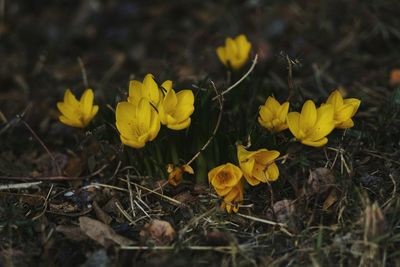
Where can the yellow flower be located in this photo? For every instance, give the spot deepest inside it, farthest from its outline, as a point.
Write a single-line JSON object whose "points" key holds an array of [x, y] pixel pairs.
{"points": [[77, 113], [137, 124], [258, 166], [224, 177], [176, 173], [273, 115], [175, 108], [344, 109], [235, 53], [233, 199], [313, 125], [146, 89]]}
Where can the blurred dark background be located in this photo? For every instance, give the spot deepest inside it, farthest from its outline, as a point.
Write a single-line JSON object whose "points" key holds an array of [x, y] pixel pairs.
{"points": [[333, 43]]}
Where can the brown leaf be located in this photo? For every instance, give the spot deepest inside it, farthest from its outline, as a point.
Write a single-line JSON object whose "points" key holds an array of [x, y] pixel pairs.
{"points": [[374, 221], [101, 233], [101, 214], [74, 167], [217, 238], [283, 210], [71, 232], [320, 180], [330, 200], [160, 231], [394, 77]]}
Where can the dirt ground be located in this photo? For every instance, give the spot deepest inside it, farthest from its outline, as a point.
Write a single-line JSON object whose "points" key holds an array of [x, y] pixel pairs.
{"points": [[93, 202]]}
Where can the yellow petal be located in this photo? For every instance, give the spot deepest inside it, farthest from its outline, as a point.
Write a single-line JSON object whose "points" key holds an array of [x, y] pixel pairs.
{"points": [[283, 111], [135, 143], [170, 101], [221, 53], [143, 115], [95, 109], [222, 192], [273, 172], [346, 124], [308, 115], [167, 85], [180, 126], [135, 92], [335, 99], [231, 49], [251, 180], [273, 105], [264, 156], [185, 97], [150, 89], [354, 102], [87, 104], [71, 122], [243, 46], [212, 174], [293, 119], [188, 169], [317, 143], [344, 113], [68, 111], [266, 114], [70, 99], [247, 166], [154, 125]]}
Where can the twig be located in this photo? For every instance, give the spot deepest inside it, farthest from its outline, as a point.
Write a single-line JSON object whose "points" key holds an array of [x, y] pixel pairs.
{"points": [[197, 248], [282, 225], [290, 78], [84, 75], [171, 200], [19, 186], [195, 220], [126, 215], [42, 144], [241, 79], [45, 204], [261, 220], [53, 178], [221, 108], [130, 195]]}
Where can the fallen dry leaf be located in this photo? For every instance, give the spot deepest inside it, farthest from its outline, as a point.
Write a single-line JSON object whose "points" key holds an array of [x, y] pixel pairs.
{"points": [[101, 214], [283, 210], [160, 231], [102, 233], [394, 79], [320, 180], [330, 200], [71, 232]]}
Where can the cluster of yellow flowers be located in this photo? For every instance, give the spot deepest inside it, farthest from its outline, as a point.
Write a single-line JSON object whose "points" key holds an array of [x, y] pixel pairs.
{"points": [[138, 119], [311, 125], [256, 167], [150, 105]]}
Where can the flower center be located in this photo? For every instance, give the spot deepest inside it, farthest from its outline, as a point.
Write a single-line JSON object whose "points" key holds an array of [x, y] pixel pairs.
{"points": [[224, 177]]}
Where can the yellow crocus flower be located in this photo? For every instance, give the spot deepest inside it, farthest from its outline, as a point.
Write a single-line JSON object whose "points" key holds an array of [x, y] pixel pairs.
{"points": [[224, 177], [273, 115], [258, 166], [312, 125], [77, 113], [146, 89], [235, 53], [175, 173], [233, 198], [175, 108], [137, 124], [344, 109]]}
